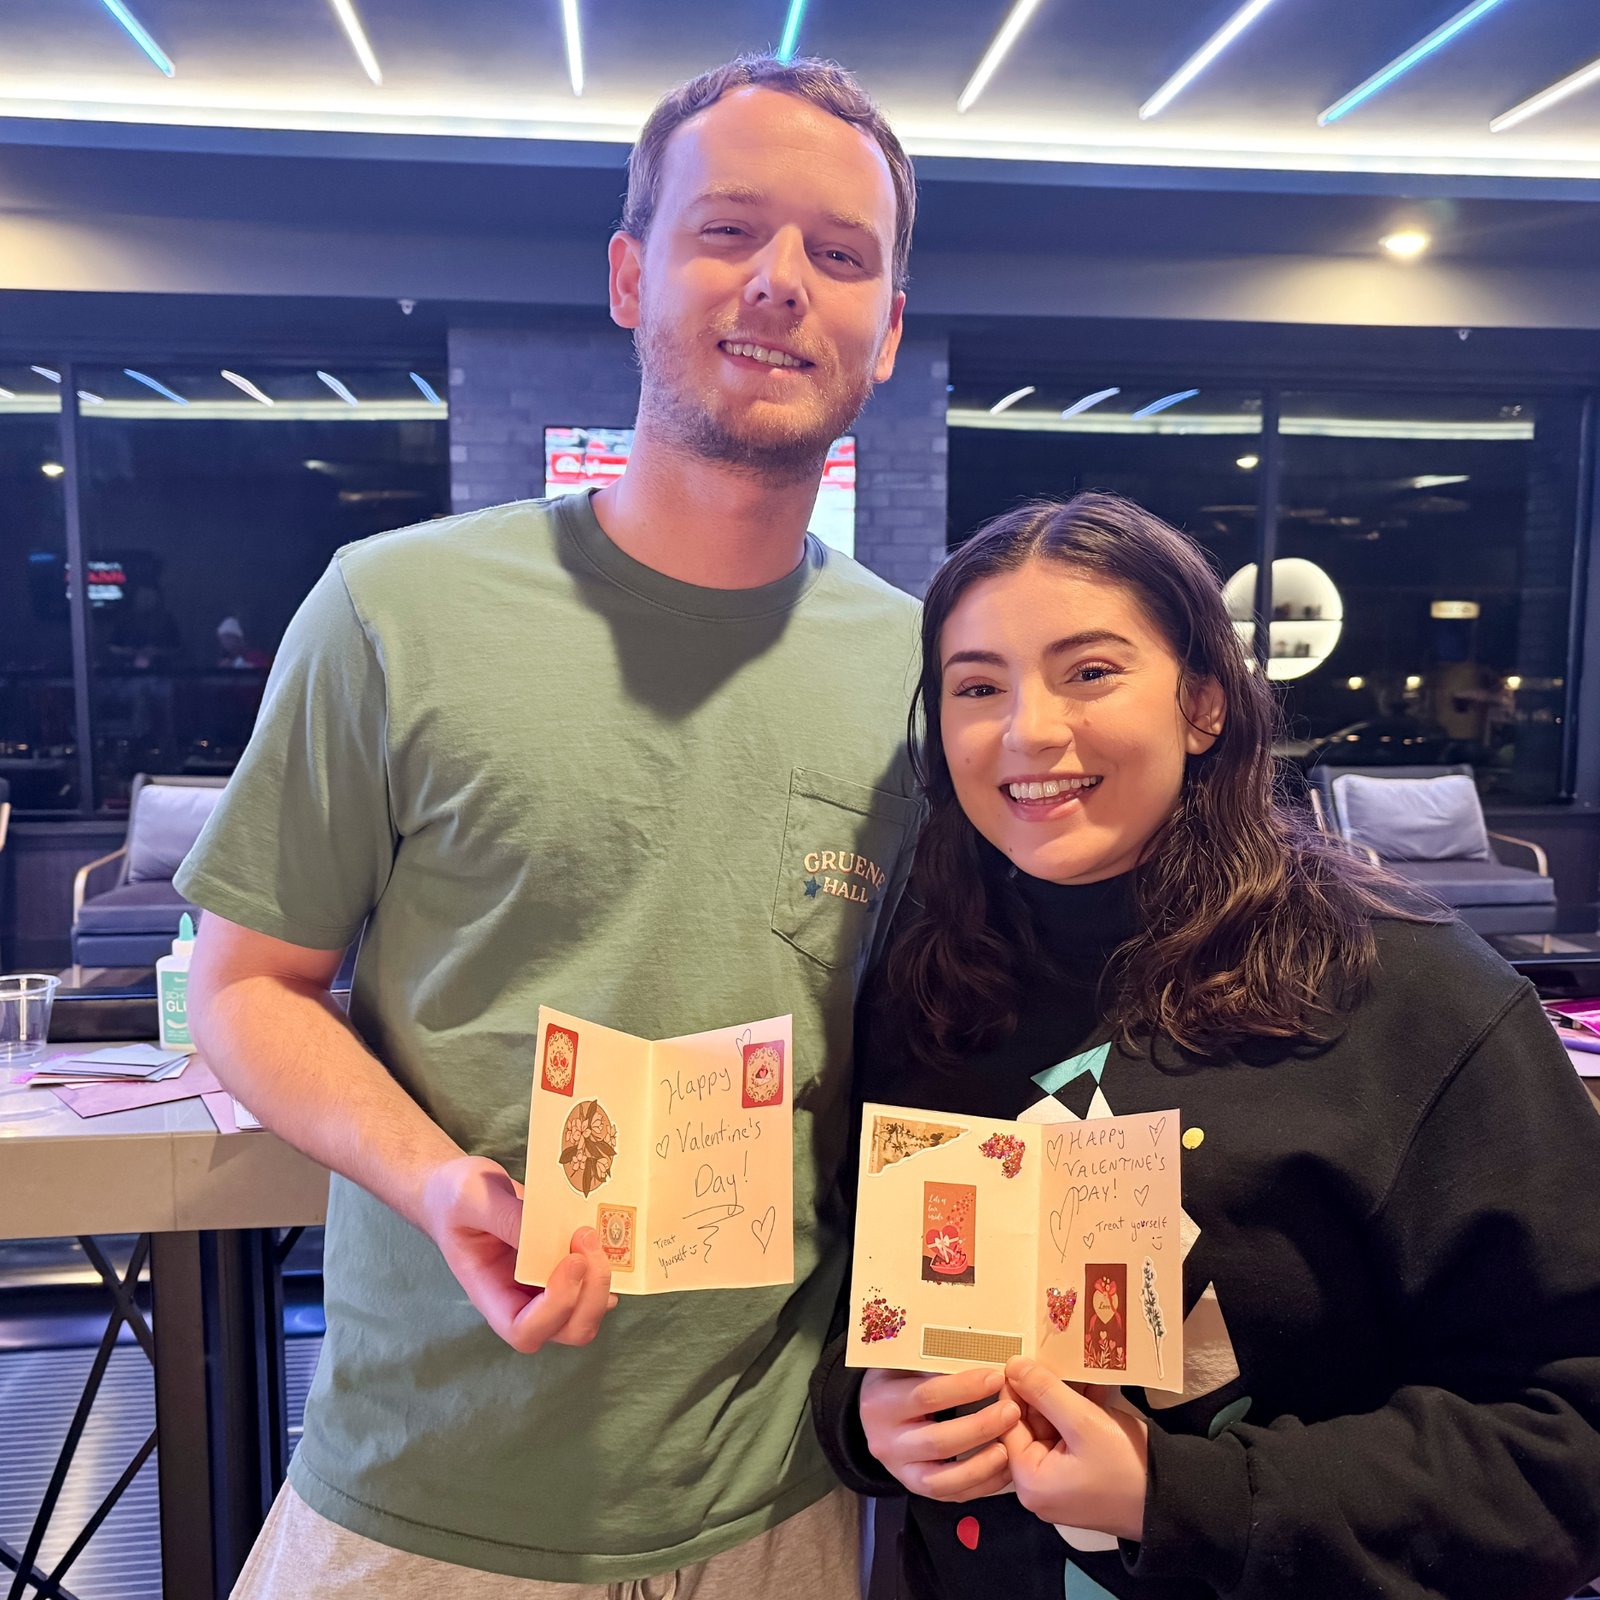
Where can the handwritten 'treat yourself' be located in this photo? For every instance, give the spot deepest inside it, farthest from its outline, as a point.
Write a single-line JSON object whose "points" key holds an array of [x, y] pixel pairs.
{"points": [[679, 1152]]}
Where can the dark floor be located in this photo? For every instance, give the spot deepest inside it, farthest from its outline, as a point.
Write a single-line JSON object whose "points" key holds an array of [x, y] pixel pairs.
{"points": [[38, 1390]]}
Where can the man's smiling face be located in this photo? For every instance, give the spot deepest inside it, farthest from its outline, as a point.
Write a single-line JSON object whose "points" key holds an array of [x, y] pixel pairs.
{"points": [[763, 293]]}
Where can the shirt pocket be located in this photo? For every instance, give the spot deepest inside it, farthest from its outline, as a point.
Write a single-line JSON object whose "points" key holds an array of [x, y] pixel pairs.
{"points": [[843, 845]]}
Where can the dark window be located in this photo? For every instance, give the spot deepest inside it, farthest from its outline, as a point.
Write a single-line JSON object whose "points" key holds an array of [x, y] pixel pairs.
{"points": [[38, 746], [207, 515], [1432, 536]]}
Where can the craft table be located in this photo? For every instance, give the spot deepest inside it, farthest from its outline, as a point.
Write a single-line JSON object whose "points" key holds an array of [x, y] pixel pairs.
{"points": [[207, 1208]]}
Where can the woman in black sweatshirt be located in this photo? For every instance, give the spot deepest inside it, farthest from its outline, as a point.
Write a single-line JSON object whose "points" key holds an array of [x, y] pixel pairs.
{"points": [[1392, 1268]]}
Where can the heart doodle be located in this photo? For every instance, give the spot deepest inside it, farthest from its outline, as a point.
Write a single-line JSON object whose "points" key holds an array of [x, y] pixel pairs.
{"points": [[763, 1225], [1141, 1195], [1061, 1224], [1157, 1129], [1052, 1150], [1088, 1241], [663, 1145]]}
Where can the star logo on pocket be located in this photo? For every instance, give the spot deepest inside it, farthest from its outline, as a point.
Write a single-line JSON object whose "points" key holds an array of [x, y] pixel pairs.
{"points": [[812, 888]]}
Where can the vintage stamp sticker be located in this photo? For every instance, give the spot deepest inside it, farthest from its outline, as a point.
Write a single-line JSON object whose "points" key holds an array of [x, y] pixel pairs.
{"points": [[616, 1226], [559, 1067], [588, 1146], [763, 1074]]}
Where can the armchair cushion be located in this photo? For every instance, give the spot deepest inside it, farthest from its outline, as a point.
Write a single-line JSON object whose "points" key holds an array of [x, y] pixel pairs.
{"points": [[1413, 819], [149, 907], [1479, 883], [167, 819]]}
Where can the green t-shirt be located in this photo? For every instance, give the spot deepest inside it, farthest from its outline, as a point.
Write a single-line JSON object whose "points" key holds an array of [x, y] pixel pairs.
{"points": [[543, 773]]}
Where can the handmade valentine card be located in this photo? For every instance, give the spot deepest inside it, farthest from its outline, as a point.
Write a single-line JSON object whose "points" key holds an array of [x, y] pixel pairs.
{"points": [[979, 1240], [679, 1153]]}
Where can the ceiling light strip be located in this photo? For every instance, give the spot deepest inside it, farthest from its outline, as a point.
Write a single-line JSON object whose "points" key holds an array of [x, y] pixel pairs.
{"points": [[1202, 58], [791, 30], [1210, 423], [1005, 402], [1437, 40], [574, 37], [47, 372], [345, 11], [429, 393], [1534, 104], [998, 50], [135, 31], [1078, 407], [1165, 402], [150, 383], [337, 387], [248, 387]]}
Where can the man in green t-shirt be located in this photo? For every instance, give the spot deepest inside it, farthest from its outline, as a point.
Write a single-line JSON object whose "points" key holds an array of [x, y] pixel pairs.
{"points": [[605, 754]]}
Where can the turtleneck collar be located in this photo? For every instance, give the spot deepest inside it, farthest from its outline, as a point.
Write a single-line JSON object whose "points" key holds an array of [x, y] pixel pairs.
{"points": [[1080, 921]]}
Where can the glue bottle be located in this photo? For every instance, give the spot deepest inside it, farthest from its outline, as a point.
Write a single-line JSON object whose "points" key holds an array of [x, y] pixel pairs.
{"points": [[172, 989]]}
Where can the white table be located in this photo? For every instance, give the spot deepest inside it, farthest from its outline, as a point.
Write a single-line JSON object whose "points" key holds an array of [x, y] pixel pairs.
{"points": [[207, 1206]]}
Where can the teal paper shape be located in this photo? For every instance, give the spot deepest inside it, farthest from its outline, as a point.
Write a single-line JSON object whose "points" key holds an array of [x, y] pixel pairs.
{"points": [[1091, 1061], [1228, 1414], [1080, 1586]]}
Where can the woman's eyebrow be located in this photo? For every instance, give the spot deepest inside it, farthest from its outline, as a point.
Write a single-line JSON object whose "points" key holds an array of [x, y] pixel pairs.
{"points": [[1073, 641]]}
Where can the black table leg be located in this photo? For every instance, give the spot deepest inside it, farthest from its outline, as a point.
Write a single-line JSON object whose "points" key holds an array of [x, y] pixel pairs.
{"points": [[220, 1421]]}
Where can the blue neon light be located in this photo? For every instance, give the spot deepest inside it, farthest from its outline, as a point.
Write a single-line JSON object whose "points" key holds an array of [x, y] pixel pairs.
{"points": [[139, 36], [1165, 401], [1420, 51], [791, 30], [150, 383]]}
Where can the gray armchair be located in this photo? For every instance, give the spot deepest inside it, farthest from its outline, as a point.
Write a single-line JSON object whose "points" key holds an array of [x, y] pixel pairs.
{"points": [[1426, 824], [125, 910]]}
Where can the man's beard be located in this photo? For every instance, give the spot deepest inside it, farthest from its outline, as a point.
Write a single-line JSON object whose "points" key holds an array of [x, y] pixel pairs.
{"points": [[789, 449]]}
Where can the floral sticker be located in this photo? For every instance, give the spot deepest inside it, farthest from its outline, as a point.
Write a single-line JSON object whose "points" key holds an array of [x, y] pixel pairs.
{"points": [[588, 1146]]}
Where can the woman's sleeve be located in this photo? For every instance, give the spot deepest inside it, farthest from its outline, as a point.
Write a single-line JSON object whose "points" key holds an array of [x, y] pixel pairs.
{"points": [[1481, 1475], [836, 1388]]}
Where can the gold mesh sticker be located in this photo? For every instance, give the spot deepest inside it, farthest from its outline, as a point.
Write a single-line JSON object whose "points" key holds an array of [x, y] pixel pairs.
{"points": [[967, 1344]]}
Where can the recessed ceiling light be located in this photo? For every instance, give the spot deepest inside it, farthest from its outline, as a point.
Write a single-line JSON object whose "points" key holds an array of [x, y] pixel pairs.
{"points": [[1248, 463], [1407, 244], [52, 469]]}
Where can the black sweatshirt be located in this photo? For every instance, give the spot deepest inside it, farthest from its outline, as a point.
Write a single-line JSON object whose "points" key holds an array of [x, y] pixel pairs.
{"points": [[1401, 1231]]}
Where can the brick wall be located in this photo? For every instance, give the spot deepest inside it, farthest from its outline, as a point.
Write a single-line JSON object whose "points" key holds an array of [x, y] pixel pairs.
{"points": [[507, 383]]}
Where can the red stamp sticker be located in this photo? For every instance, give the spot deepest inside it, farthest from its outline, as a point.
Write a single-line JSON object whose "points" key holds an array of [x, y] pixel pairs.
{"points": [[616, 1228], [559, 1070], [763, 1074]]}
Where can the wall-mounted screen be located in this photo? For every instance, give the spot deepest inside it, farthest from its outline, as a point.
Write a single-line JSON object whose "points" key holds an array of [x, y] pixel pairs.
{"points": [[589, 458]]}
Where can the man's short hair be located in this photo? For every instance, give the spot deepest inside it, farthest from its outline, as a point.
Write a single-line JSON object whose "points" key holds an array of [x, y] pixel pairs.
{"points": [[825, 84]]}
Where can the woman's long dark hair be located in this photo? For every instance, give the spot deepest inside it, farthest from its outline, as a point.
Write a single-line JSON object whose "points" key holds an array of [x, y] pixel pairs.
{"points": [[1251, 923]]}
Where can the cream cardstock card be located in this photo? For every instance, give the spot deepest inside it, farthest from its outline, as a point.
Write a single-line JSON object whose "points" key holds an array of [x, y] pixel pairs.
{"points": [[678, 1152], [979, 1240]]}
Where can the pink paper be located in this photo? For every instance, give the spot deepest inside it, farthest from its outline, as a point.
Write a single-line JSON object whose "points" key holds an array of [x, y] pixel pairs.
{"points": [[96, 1099], [220, 1104]]}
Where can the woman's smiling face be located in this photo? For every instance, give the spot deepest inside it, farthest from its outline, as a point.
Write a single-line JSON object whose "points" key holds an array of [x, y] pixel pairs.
{"points": [[1065, 720]]}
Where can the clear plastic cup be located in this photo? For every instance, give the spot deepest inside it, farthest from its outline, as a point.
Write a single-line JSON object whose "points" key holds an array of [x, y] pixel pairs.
{"points": [[25, 1001]]}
